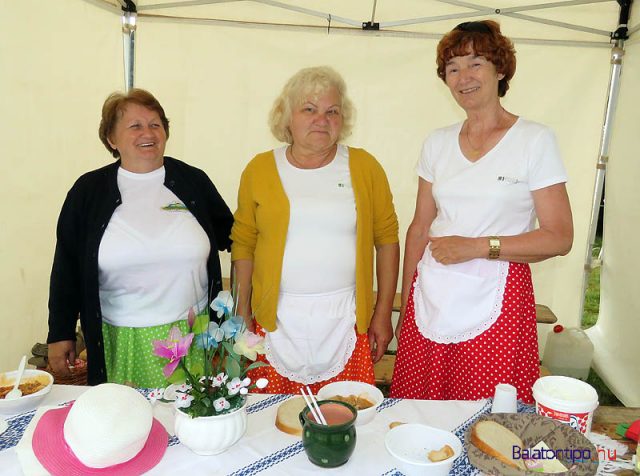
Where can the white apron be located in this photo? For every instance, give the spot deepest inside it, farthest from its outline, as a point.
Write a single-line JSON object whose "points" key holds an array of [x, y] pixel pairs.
{"points": [[458, 302], [315, 335]]}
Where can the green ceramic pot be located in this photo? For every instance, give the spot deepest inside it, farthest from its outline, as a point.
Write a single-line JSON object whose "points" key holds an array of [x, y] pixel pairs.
{"points": [[331, 445]]}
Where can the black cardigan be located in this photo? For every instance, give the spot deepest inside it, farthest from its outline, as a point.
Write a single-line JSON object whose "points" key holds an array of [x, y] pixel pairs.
{"points": [[84, 217]]}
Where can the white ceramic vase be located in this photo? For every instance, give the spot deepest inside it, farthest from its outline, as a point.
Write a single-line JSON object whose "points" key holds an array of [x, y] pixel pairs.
{"points": [[211, 435]]}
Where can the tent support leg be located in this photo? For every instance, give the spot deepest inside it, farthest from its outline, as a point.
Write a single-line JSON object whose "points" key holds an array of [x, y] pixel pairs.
{"points": [[129, 15], [617, 54]]}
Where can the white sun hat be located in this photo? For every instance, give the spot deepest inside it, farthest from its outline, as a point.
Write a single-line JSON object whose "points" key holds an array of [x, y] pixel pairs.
{"points": [[109, 428]]}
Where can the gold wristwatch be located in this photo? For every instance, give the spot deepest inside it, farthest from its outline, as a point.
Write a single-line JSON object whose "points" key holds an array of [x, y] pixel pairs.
{"points": [[494, 247]]}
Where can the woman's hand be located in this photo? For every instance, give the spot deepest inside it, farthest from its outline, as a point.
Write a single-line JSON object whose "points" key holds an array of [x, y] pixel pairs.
{"points": [[456, 249], [61, 355], [380, 334]]}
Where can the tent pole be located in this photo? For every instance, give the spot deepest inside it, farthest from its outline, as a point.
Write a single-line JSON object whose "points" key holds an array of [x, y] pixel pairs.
{"points": [[617, 55], [129, 16]]}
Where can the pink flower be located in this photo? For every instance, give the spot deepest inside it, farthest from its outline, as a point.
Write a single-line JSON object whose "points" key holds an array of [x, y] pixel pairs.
{"points": [[173, 348], [191, 318]]}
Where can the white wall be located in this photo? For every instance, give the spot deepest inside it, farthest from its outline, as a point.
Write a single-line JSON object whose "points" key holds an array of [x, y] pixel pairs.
{"points": [[58, 61]]}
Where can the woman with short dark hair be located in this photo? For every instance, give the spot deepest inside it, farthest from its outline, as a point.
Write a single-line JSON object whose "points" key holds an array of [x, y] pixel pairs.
{"points": [[137, 247]]}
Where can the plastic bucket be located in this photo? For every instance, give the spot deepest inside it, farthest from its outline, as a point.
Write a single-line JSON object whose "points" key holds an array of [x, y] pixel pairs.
{"points": [[567, 400]]}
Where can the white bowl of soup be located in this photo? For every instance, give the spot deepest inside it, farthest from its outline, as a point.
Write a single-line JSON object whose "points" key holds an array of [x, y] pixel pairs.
{"points": [[35, 385], [364, 397]]}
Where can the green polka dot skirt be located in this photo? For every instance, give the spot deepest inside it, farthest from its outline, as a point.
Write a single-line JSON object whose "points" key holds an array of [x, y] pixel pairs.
{"points": [[129, 356]]}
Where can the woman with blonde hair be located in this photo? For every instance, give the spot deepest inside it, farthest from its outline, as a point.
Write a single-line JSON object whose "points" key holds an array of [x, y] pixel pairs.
{"points": [[310, 215]]}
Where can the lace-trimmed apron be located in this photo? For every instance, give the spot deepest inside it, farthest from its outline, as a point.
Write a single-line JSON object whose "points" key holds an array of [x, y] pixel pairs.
{"points": [[315, 335], [457, 302]]}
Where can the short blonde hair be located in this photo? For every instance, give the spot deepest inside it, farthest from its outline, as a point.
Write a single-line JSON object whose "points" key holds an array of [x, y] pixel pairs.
{"points": [[309, 81]]}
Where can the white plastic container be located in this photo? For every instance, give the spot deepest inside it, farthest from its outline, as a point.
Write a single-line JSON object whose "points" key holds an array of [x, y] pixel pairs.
{"points": [[567, 400], [568, 351]]}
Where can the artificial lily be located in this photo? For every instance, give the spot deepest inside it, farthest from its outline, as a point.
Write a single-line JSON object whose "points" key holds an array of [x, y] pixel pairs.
{"points": [[173, 348]]}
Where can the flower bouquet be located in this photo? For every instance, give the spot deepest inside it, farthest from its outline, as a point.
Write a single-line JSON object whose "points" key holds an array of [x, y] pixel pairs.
{"points": [[219, 384]]}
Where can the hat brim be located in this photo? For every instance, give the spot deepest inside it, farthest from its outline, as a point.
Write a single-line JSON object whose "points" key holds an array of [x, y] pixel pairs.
{"points": [[54, 454]]}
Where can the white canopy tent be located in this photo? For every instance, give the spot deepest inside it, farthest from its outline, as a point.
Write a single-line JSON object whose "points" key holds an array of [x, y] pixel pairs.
{"points": [[216, 66]]}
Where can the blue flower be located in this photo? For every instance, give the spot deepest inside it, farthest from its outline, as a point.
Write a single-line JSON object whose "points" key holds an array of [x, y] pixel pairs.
{"points": [[211, 338], [223, 303], [232, 326]]}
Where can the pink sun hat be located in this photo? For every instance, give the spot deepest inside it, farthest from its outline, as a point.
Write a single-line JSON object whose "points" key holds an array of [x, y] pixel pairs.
{"points": [[109, 429]]}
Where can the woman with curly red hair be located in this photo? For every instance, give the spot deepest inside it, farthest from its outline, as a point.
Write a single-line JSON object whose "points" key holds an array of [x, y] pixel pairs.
{"points": [[468, 312]]}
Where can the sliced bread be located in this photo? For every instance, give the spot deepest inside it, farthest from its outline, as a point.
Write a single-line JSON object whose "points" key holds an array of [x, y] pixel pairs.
{"points": [[287, 417], [498, 441]]}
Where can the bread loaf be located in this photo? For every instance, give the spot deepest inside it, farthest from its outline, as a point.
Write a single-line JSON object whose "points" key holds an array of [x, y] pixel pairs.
{"points": [[498, 441], [287, 418]]}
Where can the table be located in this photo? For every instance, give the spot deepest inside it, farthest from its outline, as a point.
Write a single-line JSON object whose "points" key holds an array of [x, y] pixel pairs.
{"points": [[264, 450], [605, 420]]}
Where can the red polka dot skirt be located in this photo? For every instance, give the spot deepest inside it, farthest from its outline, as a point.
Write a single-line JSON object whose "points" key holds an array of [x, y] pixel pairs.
{"points": [[507, 352], [359, 367]]}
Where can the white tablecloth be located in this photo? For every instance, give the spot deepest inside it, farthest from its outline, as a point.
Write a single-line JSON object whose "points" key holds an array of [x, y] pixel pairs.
{"points": [[265, 450]]}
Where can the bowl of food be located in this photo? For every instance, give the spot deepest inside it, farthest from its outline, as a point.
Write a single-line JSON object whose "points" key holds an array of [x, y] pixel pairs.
{"points": [[364, 397], [422, 450], [35, 385]]}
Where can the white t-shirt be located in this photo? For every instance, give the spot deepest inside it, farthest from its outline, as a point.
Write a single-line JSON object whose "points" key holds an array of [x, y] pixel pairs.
{"points": [[320, 249], [491, 196], [153, 256]]}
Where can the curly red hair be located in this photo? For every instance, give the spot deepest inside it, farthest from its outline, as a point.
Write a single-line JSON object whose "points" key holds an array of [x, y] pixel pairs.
{"points": [[483, 38]]}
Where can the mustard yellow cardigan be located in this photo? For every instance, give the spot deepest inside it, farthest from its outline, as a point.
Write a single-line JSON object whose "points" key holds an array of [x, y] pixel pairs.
{"points": [[262, 219]]}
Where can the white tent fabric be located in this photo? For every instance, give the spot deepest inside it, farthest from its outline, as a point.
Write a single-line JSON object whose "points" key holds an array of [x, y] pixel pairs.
{"points": [[217, 77]]}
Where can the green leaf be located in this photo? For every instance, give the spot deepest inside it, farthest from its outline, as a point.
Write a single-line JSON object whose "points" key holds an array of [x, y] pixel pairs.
{"points": [[201, 324], [197, 368], [233, 368], [229, 348], [178, 376], [254, 365]]}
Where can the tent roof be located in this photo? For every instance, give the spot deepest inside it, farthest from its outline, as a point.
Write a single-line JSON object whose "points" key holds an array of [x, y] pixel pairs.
{"points": [[588, 22]]}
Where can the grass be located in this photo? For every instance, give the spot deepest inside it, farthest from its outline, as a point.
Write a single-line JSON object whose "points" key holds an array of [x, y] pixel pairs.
{"points": [[592, 296], [589, 319]]}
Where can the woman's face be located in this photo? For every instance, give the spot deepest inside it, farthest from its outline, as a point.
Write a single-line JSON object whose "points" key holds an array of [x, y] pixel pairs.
{"points": [[140, 138], [473, 81], [316, 124]]}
